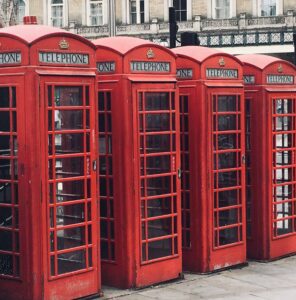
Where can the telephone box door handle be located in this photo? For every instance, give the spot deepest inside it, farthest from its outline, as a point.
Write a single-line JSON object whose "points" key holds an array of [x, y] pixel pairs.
{"points": [[94, 164], [179, 173]]}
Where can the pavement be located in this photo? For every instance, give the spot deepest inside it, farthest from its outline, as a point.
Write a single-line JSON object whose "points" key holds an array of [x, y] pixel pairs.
{"points": [[271, 281]]}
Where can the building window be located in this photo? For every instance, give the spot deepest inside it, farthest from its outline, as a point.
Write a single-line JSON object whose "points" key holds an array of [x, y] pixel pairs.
{"points": [[57, 13], [222, 9], [137, 11], [181, 10], [95, 12], [268, 8], [21, 11]]}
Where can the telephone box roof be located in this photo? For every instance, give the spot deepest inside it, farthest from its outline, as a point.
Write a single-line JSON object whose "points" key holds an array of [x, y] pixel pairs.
{"points": [[124, 44], [197, 53], [30, 34], [258, 60]]}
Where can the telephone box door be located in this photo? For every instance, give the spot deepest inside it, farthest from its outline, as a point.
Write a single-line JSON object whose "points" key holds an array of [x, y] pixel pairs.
{"points": [[227, 156], [157, 148], [70, 207], [13, 213], [281, 159]]}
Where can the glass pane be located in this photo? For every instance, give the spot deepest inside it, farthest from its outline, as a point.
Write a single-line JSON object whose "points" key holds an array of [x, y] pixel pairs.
{"points": [[105, 144], [71, 261], [5, 217], [157, 122], [227, 122], [283, 140], [4, 145], [283, 192], [159, 249], [4, 121], [157, 101], [68, 96], [157, 164], [226, 103], [284, 226], [67, 167], [5, 169], [283, 123], [157, 207], [226, 160], [228, 179], [6, 240], [228, 198], [158, 186], [283, 175], [6, 263], [228, 236], [70, 190], [158, 143], [226, 141], [4, 97], [160, 227], [228, 217], [70, 214], [283, 158], [68, 119], [68, 143], [70, 238], [283, 106], [5, 192]]}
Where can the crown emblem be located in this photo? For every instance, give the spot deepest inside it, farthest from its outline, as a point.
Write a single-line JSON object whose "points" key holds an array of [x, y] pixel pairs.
{"points": [[63, 44], [280, 68], [222, 62], [150, 53]]}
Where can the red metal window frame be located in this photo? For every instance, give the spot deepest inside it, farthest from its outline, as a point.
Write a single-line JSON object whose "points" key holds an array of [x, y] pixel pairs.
{"points": [[10, 226], [185, 182], [231, 225], [84, 201], [170, 215], [249, 203], [283, 165], [106, 199]]}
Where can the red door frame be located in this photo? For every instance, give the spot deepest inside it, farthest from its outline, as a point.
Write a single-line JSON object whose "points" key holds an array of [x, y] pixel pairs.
{"points": [[171, 266], [280, 244], [57, 286], [232, 253], [14, 287]]}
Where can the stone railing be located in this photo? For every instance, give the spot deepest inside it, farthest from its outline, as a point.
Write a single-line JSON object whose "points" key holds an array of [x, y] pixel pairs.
{"points": [[198, 24], [209, 24], [133, 29], [92, 31]]}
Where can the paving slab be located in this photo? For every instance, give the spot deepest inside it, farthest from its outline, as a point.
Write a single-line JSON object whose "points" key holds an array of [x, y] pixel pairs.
{"points": [[268, 281]]}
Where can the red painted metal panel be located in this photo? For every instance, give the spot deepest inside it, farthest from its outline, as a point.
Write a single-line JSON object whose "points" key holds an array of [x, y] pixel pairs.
{"points": [[270, 100], [47, 160], [139, 127], [212, 145]]}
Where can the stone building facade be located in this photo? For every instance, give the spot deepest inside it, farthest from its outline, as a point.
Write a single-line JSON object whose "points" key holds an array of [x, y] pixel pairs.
{"points": [[219, 23]]}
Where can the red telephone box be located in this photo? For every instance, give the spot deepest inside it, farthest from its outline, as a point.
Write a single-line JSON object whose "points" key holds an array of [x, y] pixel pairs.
{"points": [[212, 158], [48, 208], [270, 143], [138, 162]]}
